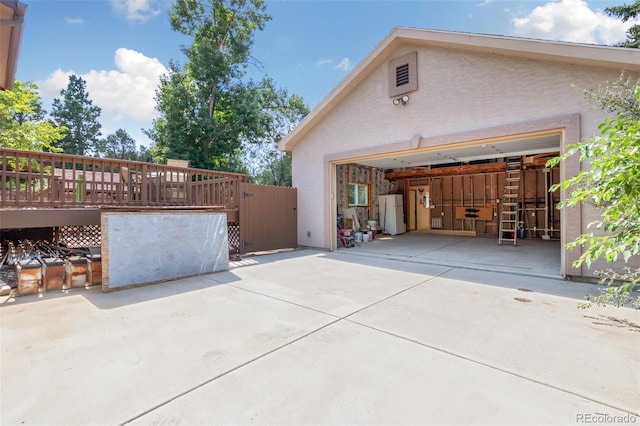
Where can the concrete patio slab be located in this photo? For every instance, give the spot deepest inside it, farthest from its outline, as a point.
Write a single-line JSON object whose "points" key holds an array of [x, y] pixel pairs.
{"points": [[96, 358], [312, 337], [350, 374], [517, 329], [331, 283]]}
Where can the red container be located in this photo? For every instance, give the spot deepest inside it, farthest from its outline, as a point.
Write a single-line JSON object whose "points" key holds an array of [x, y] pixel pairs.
{"points": [[346, 232]]}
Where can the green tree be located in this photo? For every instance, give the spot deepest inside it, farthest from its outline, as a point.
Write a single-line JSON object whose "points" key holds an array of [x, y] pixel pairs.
{"points": [[611, 183], [22, 124], [144, 154], [118, 145], [625, 13], [206, 108], [277, 171], [76, 112], [281, 113]]}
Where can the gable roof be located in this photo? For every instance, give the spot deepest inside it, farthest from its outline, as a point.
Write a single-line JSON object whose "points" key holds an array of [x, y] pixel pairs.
{"points": [[583, 54], [11, 22]]}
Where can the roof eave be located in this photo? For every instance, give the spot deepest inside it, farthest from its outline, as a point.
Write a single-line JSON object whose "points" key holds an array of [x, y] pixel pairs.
{"points": [[15, 25]]}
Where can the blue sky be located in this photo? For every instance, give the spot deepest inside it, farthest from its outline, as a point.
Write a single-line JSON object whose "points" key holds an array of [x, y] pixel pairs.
{"points": [[121, 47]]}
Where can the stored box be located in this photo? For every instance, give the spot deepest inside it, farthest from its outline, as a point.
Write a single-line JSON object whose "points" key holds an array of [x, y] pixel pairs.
{"points": [[53, 272], [76, 272], [94, 269], [29, 276]]}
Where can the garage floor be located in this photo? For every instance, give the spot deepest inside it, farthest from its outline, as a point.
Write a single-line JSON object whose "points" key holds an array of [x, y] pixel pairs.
{"points": [[534, 257]]}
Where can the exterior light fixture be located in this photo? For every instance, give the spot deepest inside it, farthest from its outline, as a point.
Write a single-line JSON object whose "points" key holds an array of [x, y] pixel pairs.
{"points": [[401, 100]]}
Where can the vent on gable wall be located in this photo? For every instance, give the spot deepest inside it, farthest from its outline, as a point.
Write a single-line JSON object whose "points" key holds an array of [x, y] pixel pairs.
{"points": [[403, 74]]}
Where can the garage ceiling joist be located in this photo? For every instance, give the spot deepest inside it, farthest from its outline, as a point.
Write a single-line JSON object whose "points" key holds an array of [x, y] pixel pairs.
{"points": [[522, 145], [534, 162]]}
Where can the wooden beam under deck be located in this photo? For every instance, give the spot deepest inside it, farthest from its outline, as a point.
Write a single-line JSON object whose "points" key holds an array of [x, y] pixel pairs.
{"points": [[44, 218]]}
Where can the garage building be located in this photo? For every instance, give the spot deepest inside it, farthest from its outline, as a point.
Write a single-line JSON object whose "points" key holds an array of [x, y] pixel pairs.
{"points": [[455, 123]]}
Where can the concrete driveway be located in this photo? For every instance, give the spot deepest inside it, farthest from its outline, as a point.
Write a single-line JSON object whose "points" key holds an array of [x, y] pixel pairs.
{"points": [[311, 337]]}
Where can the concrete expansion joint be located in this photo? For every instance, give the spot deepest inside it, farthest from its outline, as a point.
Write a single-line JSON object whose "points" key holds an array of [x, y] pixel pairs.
{"points": [[284, 301], [431, 278], [461, 356], [224, 373], [496, 368], [423, 261]]}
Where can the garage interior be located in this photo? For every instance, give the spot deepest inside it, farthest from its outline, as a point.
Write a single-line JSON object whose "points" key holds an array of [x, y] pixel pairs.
{"points": [[459, 191]]}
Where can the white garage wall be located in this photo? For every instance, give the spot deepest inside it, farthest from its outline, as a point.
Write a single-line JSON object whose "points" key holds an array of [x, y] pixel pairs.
{"points": [[457, 92]]}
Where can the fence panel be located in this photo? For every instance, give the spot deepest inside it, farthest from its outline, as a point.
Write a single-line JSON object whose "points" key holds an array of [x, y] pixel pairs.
{"points": [[268, 217]]}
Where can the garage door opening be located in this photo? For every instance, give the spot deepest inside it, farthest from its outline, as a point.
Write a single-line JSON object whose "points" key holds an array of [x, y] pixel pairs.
{"points": [[461, 192]]}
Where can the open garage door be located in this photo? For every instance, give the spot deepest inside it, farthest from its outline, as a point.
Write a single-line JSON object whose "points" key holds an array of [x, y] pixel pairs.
{"points": [[460, 190]]}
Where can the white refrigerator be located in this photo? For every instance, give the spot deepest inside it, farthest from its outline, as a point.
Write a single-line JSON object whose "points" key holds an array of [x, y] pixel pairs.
{"points": [[391, 214]]}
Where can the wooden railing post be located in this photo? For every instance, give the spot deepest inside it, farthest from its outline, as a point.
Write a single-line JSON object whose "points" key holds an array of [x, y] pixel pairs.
{"points": [[144, 182]]}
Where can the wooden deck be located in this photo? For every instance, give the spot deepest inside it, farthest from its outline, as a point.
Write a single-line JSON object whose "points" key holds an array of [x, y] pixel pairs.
{"points": [[38, 189]]}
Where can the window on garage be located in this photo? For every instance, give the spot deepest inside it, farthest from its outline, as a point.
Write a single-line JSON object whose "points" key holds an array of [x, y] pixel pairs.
{"points": [[358, 194]]}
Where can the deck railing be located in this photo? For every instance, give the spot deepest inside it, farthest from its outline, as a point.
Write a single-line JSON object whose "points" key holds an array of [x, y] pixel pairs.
{"points": [[41, 179]]}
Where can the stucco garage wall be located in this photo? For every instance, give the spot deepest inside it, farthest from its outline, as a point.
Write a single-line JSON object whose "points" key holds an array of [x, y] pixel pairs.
{"points": [[458, 91]]}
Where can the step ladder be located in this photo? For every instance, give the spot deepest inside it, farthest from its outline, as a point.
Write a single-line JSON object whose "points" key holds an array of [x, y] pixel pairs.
{"points": [[509, 212]]}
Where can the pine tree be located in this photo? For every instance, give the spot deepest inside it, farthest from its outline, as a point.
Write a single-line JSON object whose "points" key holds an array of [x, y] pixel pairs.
{"points": [[76, 112], [625, 13]]}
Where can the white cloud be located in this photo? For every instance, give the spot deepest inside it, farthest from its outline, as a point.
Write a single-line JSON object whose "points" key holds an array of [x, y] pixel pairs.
{"points": [[344, 65], [573, 21], [125, 95], [73, 21], [135, 10]]}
